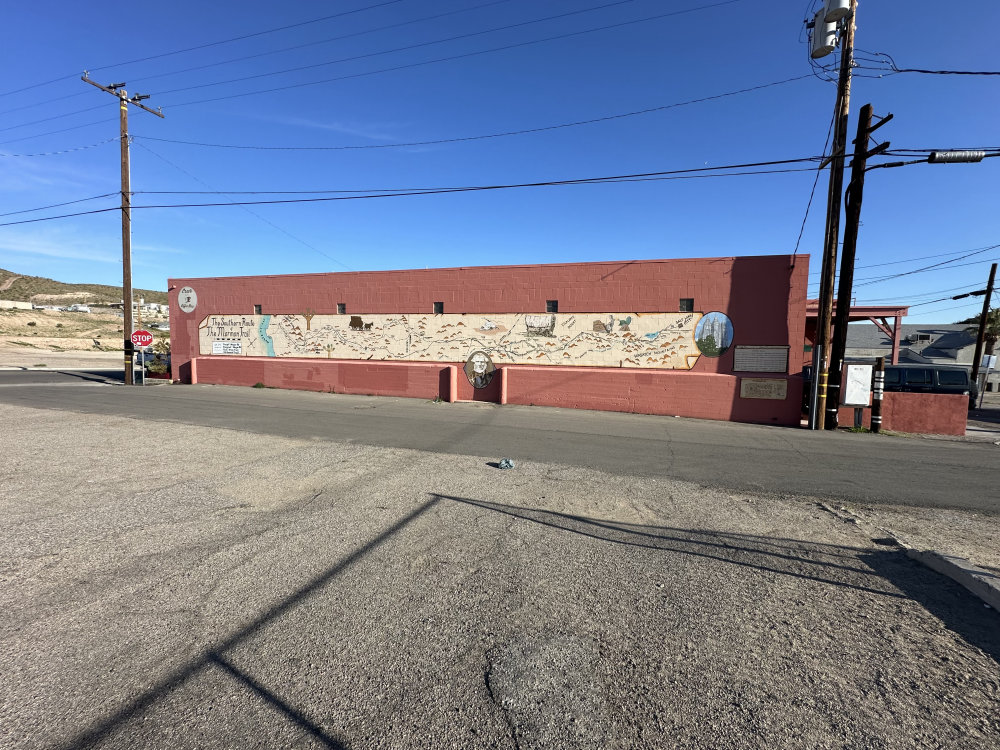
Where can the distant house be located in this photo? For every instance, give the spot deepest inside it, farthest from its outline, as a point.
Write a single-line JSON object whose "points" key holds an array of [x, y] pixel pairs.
{"points": [[10, 304], [919, 344]]}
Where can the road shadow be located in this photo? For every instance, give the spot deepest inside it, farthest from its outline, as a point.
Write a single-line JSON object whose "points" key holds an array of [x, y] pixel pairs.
{"points": [[883, 572], [215, 657]]}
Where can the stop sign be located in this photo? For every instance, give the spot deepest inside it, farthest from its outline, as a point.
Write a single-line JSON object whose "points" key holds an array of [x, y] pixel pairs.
{"points": [[142, 338]]}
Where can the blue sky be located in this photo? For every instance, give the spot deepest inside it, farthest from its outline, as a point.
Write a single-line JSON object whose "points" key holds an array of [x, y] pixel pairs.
{"points": [[610, 58]]}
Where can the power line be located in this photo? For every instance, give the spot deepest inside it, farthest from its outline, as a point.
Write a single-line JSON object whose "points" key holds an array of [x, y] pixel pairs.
{"points": [[922, 257], [48, 119], [927, 268], [405, 48], [208, 44], [457, 57], [812, 192], [245, 208], [390, 193], [58, 205], [57, 153], [327, 40], [460, 139], [54, 132]]}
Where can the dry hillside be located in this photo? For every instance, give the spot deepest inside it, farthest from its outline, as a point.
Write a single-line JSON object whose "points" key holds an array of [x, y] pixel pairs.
{"points": [[55, 330], [44, 291]]}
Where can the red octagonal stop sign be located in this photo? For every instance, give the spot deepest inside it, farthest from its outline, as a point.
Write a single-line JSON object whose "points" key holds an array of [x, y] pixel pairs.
{"points": [[142, 338]]}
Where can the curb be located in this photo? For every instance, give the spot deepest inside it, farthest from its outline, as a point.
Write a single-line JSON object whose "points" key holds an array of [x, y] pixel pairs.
{"points": [[981, 583]]}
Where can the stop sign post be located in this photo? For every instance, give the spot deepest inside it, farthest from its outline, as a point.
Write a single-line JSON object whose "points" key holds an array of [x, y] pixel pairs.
{"points": [[142, 339]]}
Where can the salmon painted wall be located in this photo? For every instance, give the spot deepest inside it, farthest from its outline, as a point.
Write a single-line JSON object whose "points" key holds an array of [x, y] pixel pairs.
{"points": [[918, 413], [764, 297]]}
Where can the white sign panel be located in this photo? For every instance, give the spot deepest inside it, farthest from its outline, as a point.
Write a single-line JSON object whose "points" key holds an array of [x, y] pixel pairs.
{"points": [[187, 300], [989, 361], [227, 347], [858, 385]]}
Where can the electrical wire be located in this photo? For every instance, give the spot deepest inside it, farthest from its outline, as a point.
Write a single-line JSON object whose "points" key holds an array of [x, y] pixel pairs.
{"points": [[209, 44], [450, 58], [53, 117], [58, 153], [61, 130], [248, 210], [396, 193], [59, 205], [931, 267], [915, 260], [405, 48], [802, 229], [525, 131], [328, 40]]}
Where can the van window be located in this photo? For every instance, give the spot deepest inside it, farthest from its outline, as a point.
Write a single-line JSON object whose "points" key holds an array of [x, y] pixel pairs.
{"points": [[918, 377], [953, 377], [892, 377]]}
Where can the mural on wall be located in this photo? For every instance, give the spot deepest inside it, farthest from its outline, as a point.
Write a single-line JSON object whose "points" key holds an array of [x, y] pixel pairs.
{"points": [[714, 334], [479, 369], [647, 340]]}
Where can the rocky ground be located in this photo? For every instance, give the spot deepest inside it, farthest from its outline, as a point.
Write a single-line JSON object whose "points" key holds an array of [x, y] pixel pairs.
{"points": [[169, 585]]}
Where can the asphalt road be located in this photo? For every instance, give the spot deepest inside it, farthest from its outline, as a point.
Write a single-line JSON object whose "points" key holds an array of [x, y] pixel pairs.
{"points": [[844, 466]]}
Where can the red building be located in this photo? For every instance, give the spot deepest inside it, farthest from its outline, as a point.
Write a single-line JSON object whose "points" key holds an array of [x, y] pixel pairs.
{"points": [[715, 338]]}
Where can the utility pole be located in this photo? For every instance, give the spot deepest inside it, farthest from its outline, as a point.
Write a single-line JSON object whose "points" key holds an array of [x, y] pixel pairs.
{"points": [[118, 91], [981, 338], [853, 197], [832, 233]]}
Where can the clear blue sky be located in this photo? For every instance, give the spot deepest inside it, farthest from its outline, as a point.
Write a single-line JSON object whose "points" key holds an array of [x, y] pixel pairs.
{"points": [[913, 216]]}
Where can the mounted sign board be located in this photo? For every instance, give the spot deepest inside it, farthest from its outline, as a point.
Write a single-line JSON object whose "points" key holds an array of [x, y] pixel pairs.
{"points": [[766, 388], [142, 338], [187, 299], [989, 361], [857, 385], [761, 359], [227, 347]]}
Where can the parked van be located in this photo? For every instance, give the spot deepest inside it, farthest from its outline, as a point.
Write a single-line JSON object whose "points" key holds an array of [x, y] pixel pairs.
{"points": [[930, 379]]}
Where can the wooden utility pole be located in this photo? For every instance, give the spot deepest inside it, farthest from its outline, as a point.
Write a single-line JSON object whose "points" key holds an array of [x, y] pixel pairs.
{"points": [[853, 197], [981, 338], [118, 91], [832, 235]]}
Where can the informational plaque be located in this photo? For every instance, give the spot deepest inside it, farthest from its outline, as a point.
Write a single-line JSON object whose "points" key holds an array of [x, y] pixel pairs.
{"points": [[227, 347], [760, 359], [774, 389], [857, 385]]}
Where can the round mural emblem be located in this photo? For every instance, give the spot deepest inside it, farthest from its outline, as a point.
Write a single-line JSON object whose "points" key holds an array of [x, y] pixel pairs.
{"points": [[714, 334], [187, 300], [479, 369]]}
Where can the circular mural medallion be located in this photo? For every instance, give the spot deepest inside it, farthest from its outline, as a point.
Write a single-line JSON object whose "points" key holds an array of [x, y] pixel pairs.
{"points": [[714, 334], [187, 300], [479, 369]]}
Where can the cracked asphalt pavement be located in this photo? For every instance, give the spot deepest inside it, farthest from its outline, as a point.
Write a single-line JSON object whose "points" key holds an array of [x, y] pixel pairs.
{"points": [[170, 585]]}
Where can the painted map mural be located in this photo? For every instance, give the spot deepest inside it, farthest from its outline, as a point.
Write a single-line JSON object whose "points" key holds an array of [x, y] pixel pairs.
{"points": [[650, 340]]}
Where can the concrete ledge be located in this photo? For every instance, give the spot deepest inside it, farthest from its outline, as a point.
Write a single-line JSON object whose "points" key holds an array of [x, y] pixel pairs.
{"points": [[981, 583]]}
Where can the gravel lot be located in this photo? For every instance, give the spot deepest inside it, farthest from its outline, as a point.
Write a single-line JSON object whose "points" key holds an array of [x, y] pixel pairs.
{"points": [[191, 587]]}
